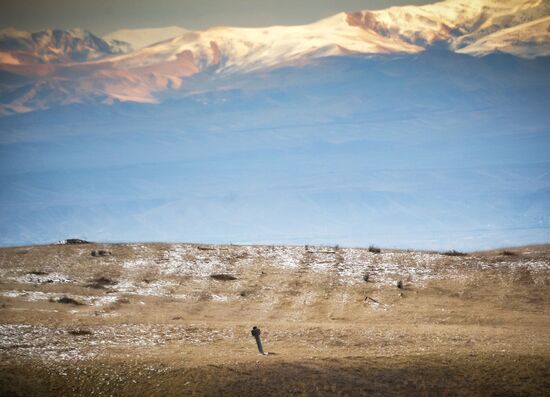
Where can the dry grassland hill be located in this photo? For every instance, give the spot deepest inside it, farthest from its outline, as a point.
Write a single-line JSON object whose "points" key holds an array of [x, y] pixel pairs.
{"points": [[175, 319]]}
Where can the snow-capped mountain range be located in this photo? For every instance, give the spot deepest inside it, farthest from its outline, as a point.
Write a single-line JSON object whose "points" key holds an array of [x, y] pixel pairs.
{"points": [[55, 67]]}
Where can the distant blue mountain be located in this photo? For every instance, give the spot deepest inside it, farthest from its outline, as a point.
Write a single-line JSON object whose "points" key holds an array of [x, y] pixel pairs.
{"points": [[434, 150]]}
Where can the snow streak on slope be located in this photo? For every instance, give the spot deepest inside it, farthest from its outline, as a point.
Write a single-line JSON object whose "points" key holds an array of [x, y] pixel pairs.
{"points": [[139, 38]]}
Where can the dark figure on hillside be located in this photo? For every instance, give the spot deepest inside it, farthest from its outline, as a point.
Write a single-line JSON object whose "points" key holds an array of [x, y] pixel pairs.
{"points": [[256, 334]]}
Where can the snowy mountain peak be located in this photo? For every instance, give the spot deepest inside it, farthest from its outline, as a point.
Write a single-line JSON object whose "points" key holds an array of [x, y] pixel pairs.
{"points": [[452, 23]]}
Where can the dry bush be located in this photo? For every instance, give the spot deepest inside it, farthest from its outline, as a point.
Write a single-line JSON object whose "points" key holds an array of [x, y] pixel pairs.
{"points": [[374, 249], [72, 241], [80, 332], [100, 282], [148, 274], [523, 275], [223, 277], [68, 301], [454, 253]]}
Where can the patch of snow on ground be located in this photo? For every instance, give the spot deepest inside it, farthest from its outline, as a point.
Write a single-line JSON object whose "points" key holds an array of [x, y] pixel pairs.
{"points": [[136, 263], [221, 298], [27, 295], [351, 265], [284, 257], [32, 296], [187, 260], [54, 278], [53, 344], [38, 342]]}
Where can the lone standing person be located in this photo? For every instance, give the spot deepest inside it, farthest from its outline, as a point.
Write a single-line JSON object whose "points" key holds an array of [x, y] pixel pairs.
{"points": [[256, 334]]}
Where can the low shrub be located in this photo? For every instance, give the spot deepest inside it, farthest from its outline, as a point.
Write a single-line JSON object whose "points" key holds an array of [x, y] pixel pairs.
{"points": [[374, 249], [68, 301], [100, 282], [223, 277], [80, 332], [76, 241], [38, 273], [454, 253]]}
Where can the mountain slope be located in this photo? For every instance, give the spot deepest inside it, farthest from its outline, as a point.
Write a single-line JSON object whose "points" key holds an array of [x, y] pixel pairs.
{"points": [[528, 40], [54, 46], [437, 150]]}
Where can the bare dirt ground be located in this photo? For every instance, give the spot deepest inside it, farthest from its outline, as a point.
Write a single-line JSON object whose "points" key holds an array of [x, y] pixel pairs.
{"points": [[150, 320]]}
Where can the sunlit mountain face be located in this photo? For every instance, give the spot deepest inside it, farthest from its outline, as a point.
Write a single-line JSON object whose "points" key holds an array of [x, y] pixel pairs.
{"points": [[414, 127]]}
